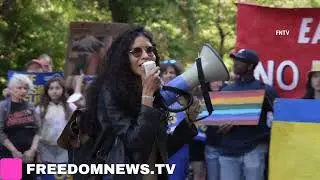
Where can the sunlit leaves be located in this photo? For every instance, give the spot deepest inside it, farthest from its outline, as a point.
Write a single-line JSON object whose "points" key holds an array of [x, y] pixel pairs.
{"points": [[32, 27]]}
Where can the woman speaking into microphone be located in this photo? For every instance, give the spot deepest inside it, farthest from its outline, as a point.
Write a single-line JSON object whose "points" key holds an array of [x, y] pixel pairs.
{"points": [[130, 105]]}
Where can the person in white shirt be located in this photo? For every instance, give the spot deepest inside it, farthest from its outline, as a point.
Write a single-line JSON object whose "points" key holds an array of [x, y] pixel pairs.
{"points": [[53, 113]]}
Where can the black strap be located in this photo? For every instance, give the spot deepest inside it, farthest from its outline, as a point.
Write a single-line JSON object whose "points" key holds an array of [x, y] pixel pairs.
{"points": [[179, 93], [205, 88]]}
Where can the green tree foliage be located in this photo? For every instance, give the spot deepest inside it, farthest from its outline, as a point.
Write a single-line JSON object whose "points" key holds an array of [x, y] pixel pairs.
{"points": [[29, 28]]}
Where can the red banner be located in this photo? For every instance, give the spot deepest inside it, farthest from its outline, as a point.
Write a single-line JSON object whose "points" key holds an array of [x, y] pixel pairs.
{"points": [[287, 41]]}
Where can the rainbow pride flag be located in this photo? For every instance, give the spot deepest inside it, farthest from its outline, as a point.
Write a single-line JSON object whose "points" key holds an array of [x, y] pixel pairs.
{"points": [[235, 107], [295, 140]]}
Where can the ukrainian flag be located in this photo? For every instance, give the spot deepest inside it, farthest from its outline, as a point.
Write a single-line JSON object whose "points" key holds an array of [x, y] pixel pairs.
{"points": [[295, 140]]}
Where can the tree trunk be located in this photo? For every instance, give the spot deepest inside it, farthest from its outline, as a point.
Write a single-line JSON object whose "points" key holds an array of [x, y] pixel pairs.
{"points": [[6, 7]]}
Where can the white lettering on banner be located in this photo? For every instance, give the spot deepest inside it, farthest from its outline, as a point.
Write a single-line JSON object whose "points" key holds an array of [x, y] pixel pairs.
{"points": [[316, 36], [304, 29], [280, 75], [259, 71], [268, 77]]}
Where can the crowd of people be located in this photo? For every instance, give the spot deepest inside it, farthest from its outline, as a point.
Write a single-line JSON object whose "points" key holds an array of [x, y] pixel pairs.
{"points": [[127, 100]]}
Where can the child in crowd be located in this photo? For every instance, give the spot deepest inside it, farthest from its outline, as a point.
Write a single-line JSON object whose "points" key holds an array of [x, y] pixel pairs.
{"points": [[53, 113]]}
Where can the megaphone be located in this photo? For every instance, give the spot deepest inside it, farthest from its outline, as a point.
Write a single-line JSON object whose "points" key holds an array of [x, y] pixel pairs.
{"points": [[213, 68]]}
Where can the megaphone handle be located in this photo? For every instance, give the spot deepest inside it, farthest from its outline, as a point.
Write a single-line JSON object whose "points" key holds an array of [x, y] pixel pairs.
{"points": [[181, 93], [204, 86]]}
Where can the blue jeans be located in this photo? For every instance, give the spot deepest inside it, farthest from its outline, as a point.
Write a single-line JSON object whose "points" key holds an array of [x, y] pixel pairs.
{"points": [[181, 159], [250, 166], [212, 161]]}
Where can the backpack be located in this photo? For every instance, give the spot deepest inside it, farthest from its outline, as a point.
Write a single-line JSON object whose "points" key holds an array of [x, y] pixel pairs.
{"points": [[84, 146], [72, 135], [82, 135]]}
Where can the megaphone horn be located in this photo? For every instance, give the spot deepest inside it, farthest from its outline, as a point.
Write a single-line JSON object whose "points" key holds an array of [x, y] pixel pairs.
{"points": [[213, 68]]}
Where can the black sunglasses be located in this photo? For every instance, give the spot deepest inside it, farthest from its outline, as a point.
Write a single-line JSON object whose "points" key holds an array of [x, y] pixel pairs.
{"points": [[137, 52]]}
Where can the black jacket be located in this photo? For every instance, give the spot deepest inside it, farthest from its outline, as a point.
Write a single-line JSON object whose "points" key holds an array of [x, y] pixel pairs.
{"points": [[139, 134]]}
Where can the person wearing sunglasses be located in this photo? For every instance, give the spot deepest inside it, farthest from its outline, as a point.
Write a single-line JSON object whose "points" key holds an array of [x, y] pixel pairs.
{"points": [[127, 101], [169, 69]]}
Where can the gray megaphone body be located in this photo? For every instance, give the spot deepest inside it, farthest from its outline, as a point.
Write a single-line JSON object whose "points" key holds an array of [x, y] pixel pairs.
{"points": [[213, 67]]}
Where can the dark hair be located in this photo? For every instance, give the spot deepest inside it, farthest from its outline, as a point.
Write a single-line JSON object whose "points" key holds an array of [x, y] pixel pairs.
{"points": [[309, 94], [45, 99], [175, 66], [117, 75]]}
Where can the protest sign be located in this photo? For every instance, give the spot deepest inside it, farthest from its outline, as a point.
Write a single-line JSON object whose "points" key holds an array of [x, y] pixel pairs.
{"points": [[235, 107], [287, 41], [88, 44], [294, 147], [38, 80]]}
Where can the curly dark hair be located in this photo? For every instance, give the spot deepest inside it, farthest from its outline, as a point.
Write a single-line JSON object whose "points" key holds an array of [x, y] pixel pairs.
{"points": [[45, 99], [117, 75]]}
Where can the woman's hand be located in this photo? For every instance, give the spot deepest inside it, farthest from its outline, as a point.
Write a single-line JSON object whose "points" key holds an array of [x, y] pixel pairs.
{"points": [[17, 154], [29, 155], [151, 83], [225, 128]]}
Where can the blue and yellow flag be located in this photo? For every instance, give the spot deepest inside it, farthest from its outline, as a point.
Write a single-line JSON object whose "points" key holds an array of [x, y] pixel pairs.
{"points": [[295, 140]]}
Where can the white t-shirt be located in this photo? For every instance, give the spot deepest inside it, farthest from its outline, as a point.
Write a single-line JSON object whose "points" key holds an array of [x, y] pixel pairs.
{"points": [[53, 123]]}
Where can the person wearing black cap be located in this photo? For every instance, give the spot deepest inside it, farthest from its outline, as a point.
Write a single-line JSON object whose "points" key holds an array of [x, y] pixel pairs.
{"points": [[242, 150]]}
